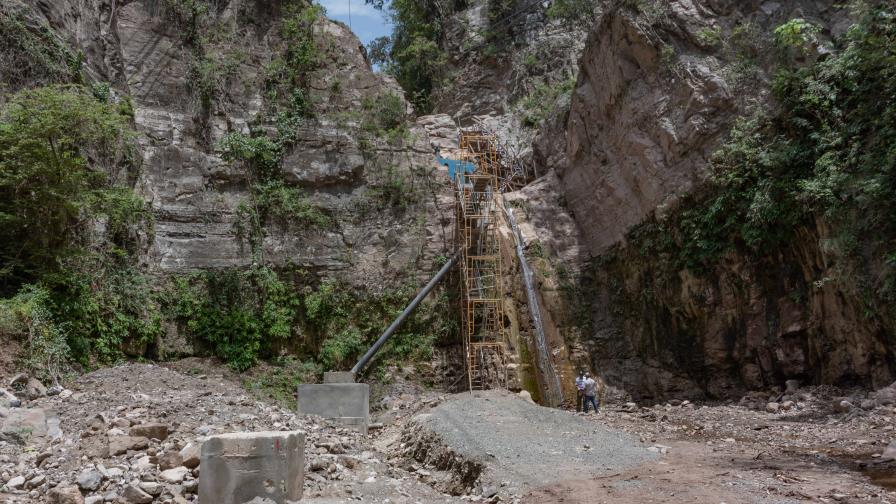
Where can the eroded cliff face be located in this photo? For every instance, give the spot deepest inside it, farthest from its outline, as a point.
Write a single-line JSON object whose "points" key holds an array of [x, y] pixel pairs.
{"points": [[657, 94], [804, 312]]}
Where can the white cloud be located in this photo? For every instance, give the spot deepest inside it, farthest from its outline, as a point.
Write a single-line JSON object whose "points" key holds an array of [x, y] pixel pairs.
{"points": [[340, 8]]}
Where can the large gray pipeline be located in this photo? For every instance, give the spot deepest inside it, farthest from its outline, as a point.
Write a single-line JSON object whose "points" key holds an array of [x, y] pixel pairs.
{"points": [[407, 311]]}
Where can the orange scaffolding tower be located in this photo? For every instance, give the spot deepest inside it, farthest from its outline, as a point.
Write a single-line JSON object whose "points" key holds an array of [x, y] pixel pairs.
{"points": [[482, 309]]}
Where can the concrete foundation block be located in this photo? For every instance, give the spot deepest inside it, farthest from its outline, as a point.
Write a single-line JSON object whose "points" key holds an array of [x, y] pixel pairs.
{"points": [[339, 377], [346, 403], [237, 468]]}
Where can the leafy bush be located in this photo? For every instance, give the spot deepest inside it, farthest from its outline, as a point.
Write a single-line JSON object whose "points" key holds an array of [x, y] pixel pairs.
{"points": [[29, 315], [239, 315], [797, 34], [59, 151]]}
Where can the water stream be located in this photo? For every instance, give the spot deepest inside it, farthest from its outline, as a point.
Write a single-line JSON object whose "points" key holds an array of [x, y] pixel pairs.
{"points": [[553, 394]]}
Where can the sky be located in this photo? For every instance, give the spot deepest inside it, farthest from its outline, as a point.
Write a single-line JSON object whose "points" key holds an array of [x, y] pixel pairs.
{"points": [[367, 22]]}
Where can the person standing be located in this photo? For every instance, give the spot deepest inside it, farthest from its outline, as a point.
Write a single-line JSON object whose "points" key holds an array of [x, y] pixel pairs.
{"points": [[580, 390], [590, 393]]}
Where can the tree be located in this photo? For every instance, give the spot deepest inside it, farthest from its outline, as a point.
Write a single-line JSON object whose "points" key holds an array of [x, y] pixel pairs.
{"points": [[60, 148]]}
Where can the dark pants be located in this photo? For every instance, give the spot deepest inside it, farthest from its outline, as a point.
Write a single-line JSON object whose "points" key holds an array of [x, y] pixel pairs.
{"points": [[590, 399], [580, 397]]}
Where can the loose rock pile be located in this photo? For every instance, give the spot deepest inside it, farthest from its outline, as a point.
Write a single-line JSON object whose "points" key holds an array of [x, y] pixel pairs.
{"points": [[132, 434]]}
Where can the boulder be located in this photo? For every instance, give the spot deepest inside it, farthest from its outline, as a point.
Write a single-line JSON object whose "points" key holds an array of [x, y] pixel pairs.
{"points": [[119, 445], [525, 395], [134, 495], [190, 455], [889, 452], [170, 460], [842, 406], [34, 389], [174, 476], [65, 494], [772, 407], [8, 400], [16, 483], [150, 430]]}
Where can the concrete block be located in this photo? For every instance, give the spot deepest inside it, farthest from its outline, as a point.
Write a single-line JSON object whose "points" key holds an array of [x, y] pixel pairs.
{"points": [[236, 468], [346, 403], [339, 377]]}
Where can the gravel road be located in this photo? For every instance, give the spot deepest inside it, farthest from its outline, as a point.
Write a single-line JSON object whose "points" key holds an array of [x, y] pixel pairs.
{"points": [[526, 445]]}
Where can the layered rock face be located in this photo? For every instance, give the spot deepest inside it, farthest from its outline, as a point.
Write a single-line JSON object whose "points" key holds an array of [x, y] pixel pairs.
{"points": [[339, 164]]}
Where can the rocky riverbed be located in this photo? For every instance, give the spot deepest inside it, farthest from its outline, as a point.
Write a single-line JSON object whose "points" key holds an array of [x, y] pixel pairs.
{"points": [[131, 434]]}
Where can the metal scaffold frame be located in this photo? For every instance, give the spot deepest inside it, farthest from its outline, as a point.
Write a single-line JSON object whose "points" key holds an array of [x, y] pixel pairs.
{"points": [[482, 309]]}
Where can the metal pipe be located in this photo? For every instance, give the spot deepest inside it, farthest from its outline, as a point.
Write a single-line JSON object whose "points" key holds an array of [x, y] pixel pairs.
{"points": [[407, 311]]}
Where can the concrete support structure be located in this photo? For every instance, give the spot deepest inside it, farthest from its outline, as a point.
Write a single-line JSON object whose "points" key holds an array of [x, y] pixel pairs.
{"points": [[346, 403], [236, 468]]}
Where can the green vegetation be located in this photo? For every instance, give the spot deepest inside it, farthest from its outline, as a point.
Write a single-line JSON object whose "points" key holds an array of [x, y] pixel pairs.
{"points": [[68, 228], [60, 150], [385, 117], [245, 315], [827, 152], [412, 54], [31, 54], [797, 34], [29, 316], [287, 75], [575, 14], [710, 36], [544, 99]]}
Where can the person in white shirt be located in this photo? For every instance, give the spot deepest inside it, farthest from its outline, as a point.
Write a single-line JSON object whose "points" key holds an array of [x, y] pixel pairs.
{"points": [[580, 390], [590, 393]]}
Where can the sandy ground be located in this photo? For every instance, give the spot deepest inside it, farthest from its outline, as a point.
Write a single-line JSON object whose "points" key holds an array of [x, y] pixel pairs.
{"points": [[735, 455]]}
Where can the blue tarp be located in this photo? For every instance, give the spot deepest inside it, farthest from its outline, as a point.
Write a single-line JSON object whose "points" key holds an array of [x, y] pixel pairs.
{"points": [[455, 167]]}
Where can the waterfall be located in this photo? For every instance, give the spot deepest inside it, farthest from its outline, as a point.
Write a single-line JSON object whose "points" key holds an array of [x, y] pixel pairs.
{"points": [[554, 392]]}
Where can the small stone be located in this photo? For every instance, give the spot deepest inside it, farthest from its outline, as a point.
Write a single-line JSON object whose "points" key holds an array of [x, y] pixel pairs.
{"points": [[489, 491], [133, 495], [174, 476], [772, 407], [842, 406], [526, 396], [16, 483], [868, 404], [65, 494], [787, 405], [151, 431], [90, 480], [94, 499]]}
